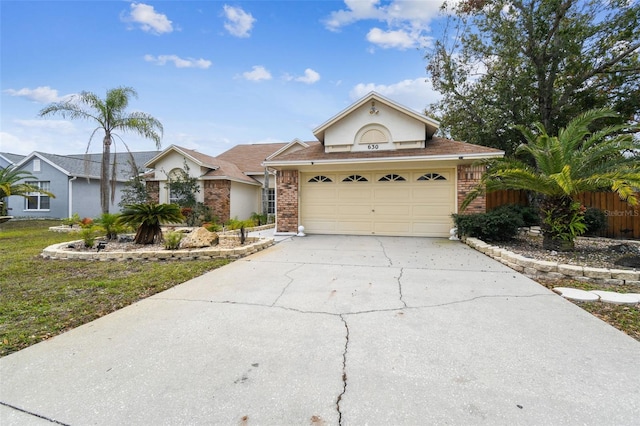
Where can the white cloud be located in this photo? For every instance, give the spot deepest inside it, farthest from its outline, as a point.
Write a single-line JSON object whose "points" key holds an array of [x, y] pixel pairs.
{"points": [[59, 126], [407, 22], [310, 76], [42, 94], [178, 61], [257, 73], [148, 19], [416, 94], [399, 39], [239, 23]]}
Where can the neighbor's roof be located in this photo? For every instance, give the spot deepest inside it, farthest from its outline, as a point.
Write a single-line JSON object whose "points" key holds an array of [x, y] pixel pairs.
{"points": [[436, 149], [12, 158], [88, 165], [249, 158]]}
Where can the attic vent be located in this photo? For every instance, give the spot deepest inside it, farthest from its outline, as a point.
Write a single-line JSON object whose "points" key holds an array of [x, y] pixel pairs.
{"points": [[373, 136], [432, 176], [320, 178], [355, 178], [391, 178]]}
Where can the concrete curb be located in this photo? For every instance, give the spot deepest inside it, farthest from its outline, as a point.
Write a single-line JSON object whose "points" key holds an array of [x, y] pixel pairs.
{"points": [[533, 268]]}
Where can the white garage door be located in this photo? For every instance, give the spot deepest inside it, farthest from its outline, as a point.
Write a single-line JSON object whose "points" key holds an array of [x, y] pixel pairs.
{"points": [[404, 203]]}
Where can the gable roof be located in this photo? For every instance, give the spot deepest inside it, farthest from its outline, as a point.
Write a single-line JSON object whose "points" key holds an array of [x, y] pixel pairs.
{"points": [[431, 125], [89, 165], [436, 149], [249, 158], [218, 168]]}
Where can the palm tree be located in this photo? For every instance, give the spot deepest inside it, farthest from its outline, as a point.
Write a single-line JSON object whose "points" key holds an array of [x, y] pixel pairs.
{"points": [[10, 184], [147, 218], [560, 167], [110, 116]]}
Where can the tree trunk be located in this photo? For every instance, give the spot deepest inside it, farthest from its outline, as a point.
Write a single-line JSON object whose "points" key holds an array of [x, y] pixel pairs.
{"points": [[104, 173], [148, 234]]}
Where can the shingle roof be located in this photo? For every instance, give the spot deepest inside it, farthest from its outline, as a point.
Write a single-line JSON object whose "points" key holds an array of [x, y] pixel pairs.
{"points": [[14, 158], [249, 157], [88, 165], [220, 168], [435, 147]]}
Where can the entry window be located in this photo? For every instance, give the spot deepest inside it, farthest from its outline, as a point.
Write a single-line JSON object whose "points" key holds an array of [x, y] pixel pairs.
{"points": [[392, 178], [355, 178], [320, 178], [37, 200], [271, 205], [432, 176]]}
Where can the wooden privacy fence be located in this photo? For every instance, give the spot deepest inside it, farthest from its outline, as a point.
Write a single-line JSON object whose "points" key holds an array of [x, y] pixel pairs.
{"points": [[623, 219]]}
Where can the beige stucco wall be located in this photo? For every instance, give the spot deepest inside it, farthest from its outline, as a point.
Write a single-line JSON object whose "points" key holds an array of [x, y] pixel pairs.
{"points": [[245, 199], [168, 163]]}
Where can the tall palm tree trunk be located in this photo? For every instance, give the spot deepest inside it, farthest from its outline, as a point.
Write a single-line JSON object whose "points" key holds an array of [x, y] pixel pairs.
{"points": [[104, 173]]}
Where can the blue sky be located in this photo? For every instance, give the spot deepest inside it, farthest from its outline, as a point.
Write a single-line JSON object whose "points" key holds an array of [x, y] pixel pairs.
{"points": [[215, 73]]}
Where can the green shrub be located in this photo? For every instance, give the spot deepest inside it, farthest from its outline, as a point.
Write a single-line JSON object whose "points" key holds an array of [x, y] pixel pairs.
{"points": [[496, 225], [109, 222], [529, 215], [595, 221], [172, 240], [88, 233], [73, 220]]}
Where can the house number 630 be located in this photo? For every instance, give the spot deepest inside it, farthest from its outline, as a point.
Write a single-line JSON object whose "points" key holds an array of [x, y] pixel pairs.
{"points": [[372, 146]]}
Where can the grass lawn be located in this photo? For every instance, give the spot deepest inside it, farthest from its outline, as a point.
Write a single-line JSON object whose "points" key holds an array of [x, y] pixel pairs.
{"points": [[42, 298]]}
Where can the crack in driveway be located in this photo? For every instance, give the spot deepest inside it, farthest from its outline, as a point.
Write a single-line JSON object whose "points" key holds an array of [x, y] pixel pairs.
{"points": [[344, 370], [291, 279]]}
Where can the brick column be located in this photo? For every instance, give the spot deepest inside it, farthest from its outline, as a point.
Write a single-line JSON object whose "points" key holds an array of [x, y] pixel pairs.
{"points": [[468, 178], [217, 196], [153, 189], [287, 199]]}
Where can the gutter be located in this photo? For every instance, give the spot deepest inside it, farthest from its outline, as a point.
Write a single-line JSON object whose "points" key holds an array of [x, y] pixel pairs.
{"points": [[382, 160]]}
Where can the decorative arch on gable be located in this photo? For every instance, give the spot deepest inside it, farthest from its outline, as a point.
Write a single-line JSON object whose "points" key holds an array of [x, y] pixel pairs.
{"points": [[373, 134]]}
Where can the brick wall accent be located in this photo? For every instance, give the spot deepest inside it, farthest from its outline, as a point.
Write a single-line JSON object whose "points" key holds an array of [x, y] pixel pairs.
{"points": [[287, 199], [153, 189], [217, 195], [468, 178]]}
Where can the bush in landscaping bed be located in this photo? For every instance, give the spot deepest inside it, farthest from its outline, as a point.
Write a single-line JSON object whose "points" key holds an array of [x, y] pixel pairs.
{"points": [[496, 225]]}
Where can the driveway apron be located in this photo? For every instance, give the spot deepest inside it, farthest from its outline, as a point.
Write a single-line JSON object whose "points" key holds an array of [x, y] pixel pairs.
{"points": [[335, 330]]}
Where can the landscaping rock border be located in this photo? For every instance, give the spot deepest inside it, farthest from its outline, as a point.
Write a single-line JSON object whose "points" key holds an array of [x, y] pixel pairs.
{"points": [[537, 269], [252, 245]]}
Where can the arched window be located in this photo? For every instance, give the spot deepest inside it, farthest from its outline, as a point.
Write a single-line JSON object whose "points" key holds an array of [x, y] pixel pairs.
{"points": [[391, 178], [355, 178], [320, 178], [432, 176]]}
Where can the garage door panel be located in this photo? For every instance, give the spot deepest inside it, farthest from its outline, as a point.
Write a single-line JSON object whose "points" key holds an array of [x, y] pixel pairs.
{"points": [[411, 207], [357, 227], [362, 211]]}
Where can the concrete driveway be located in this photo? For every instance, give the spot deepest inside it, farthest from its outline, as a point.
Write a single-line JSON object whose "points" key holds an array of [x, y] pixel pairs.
{"points": [[329, 330]]}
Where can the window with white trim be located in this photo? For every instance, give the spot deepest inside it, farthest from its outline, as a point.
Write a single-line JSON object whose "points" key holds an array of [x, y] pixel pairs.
{"points": [[37, 200], [271, 205]]}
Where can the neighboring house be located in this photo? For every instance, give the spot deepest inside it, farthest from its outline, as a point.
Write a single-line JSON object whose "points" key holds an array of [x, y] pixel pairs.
{"points": [[234, 184], [376, 169], [73, 179]]}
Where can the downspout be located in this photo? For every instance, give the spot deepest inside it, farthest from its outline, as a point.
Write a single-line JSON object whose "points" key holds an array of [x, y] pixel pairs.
{"points": [[71, 195]]}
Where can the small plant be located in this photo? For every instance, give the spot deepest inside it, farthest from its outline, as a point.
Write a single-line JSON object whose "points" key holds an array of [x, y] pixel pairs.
{"points": [[172, 240], [259, 219], [88, 235], [109, 222], [148, 219], [213, 227], [564, 225], [70, 221], [86, 222]]}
